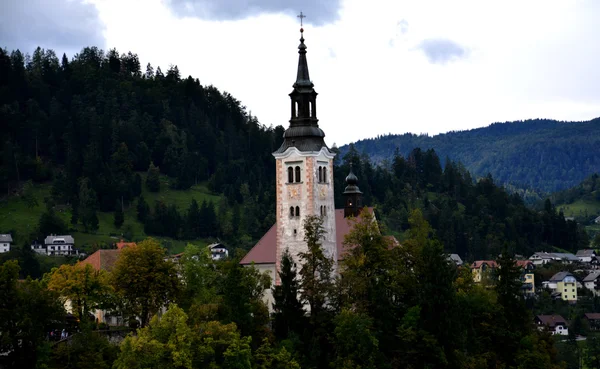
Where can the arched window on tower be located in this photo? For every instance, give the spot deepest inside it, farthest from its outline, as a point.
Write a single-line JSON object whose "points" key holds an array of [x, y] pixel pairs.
{"points": [[291, 211], [324, 211], [297, 211], [320, 174], [296, 109], [290, 175], [321, 209], [310, 109], [297, 174], [324, 174]]}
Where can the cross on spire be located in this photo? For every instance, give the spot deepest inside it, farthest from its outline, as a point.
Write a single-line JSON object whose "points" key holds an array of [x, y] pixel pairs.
{"points": [[301, 16]]}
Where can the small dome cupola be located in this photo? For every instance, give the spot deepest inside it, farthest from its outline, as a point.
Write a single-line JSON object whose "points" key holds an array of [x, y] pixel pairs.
{"points": [[352, 196]]}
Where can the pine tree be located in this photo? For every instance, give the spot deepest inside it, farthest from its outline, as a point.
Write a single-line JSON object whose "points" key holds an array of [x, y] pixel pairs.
{"points": [[87, 205], [119, 216], [153, 178], [288, 311], [193, 220], [143, 210]]}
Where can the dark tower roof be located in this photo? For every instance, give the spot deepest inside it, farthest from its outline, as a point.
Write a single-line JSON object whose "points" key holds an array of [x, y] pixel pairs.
{"points": [[351, 183], [352, 196], [304, 132]]}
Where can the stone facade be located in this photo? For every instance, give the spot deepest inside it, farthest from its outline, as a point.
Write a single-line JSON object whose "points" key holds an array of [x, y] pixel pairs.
{"points": [[309, 195]]}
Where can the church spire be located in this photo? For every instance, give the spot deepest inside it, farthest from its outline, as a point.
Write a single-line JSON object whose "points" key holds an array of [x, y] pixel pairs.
{"points": [[304, 132], [302, 79]]}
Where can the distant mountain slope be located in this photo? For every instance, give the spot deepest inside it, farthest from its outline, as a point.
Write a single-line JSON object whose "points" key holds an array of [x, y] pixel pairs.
{"points": [[582, 201], [545, 155]]}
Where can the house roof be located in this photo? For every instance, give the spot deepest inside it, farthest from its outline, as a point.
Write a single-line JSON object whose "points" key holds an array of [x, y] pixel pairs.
{"points": [[264, 250], [6, 238], [123, 244], [67, 238], [585, 253], [490, 263], [592, 316], [524, 263], [566, 256], [591, 277], [560, 276], [103, 259], [551, 320], [455, 258]]}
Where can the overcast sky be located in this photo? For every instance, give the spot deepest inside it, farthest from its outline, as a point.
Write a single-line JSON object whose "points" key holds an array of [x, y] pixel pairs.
{"points": [[379, 66]]}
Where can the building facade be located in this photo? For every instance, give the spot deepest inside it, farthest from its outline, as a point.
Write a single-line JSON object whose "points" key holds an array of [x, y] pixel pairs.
{"points": [[5, 242], [60, 245]]}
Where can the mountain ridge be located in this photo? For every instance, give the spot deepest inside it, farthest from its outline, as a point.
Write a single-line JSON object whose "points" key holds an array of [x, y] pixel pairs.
{"points": [[541, 154]]}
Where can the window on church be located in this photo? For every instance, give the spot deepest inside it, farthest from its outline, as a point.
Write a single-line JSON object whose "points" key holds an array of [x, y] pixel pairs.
{"points": [[297, 211], [324, 211], [291, 211], [310, 109], [321, 209], [320, 174], [349, 202], [296, 109], [297, 174], [324, 174], [290, 175]]}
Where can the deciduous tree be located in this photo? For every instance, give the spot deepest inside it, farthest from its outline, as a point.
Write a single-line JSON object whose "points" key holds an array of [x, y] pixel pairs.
{"points": [[144, 281]]}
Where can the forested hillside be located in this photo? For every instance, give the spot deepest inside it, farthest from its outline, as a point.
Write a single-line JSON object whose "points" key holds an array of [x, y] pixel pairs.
{"points": [[473, 219], [539, 155], [92, 124]]}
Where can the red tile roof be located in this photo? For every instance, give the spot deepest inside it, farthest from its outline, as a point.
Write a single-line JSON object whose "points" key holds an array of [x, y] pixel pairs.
{"points": [[102, 259], [123, 244], [524, 263], [264, 251], [592, 316], [490, 263]]}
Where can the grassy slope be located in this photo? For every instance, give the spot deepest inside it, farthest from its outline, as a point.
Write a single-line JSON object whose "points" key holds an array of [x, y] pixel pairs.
{"points": [[15, 216], [579, 208]]}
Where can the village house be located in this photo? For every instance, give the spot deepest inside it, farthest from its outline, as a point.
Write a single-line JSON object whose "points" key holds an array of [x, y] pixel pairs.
{"points": [[483, 270], [455, 258], [5, 242], [60, 245], [542, 258], [585, 256], [104, 260], [593, 320], [527, 277], [555, 324], [39, 248], [564, 285], [218, 251], [591, 282]]}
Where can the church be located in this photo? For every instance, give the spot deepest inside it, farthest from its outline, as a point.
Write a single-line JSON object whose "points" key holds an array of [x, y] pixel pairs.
{"points": [[304, 185]]}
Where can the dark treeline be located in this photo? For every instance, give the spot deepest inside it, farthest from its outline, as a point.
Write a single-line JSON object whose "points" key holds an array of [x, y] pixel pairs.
{"points": [[89, 123], [538, 155], [474, 219]]}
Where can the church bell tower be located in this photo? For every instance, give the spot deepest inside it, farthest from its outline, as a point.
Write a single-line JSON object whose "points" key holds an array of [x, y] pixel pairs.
{"points": [[304, 166]]}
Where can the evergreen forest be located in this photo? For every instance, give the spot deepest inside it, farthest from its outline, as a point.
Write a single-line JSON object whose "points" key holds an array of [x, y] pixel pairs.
{"points": [[532, 157]]}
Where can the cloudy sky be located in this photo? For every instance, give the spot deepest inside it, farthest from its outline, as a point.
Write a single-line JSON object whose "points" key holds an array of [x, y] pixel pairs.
{"points": [[379, 66]]}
